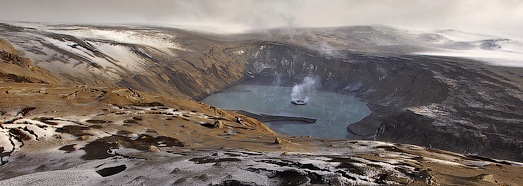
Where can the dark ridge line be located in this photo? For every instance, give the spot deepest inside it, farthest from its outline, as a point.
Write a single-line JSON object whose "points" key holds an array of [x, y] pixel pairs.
{"points": [[31, 132], [269, 118]]}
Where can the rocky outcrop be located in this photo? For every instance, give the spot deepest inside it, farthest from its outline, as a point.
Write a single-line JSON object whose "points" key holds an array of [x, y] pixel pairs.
{"points": [[14, 68], [7, 47]]}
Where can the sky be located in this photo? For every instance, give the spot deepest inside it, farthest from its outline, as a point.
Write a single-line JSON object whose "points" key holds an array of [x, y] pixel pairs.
{"points": [[244, 15]]}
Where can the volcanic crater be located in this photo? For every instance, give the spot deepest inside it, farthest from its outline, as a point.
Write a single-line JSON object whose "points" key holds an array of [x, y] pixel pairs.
{"points": [[449, 103], [113, 101]]}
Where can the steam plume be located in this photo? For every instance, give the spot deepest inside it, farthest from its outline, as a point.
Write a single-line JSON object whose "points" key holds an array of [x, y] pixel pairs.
{"points": [[303, 90]]}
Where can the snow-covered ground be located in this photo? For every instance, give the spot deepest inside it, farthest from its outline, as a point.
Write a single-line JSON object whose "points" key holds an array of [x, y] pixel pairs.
{"points": [[109, 52], [145, 37], [131, 167], [494, 50]]}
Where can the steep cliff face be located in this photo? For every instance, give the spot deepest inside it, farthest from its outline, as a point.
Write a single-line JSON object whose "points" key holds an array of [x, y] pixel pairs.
{"points": [[412, 128], [482, 113], [397, 81], [202, 73]]}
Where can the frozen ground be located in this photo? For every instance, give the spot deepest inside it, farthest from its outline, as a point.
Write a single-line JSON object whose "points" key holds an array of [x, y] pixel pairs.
{"points": [[494, 50], [348, 163], [100, 51]]}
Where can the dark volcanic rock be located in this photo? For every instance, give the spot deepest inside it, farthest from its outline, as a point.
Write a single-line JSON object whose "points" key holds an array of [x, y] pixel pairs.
{"points": [[109, 171], [291, 177], [235, 183], [74, 130], [269, 118], [101, 148], [96, 121], [481, 115], [204, 160], [68, 148]]}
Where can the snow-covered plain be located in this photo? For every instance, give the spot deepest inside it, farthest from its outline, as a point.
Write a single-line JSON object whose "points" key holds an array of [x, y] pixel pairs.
{"points": [[494, 50]]}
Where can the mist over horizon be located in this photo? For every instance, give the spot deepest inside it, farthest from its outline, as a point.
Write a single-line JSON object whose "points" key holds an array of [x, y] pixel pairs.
{"points": [[234, 16]]}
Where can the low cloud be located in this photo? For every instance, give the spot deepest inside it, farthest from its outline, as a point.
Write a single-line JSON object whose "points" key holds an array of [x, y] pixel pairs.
{"points": [[242, 15]]}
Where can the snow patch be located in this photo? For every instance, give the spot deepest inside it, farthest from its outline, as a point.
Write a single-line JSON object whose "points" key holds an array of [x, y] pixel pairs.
{"points": [[490, 49], [58, 177], [146, 37], [239, 52], [431, 111], [443, 162]]}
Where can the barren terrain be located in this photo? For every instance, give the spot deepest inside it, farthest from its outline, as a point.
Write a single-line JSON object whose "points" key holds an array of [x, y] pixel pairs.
{"points": [[92, 105]]}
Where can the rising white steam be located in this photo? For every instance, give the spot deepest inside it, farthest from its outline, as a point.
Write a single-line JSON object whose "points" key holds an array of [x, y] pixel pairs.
{"points": [[301, 92]]}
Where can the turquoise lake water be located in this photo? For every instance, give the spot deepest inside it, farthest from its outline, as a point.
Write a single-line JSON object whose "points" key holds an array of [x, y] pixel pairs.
{"points": [[334, 112]]}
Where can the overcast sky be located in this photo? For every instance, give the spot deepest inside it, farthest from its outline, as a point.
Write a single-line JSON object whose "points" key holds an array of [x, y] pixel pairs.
{"points": [[239, 15]]}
